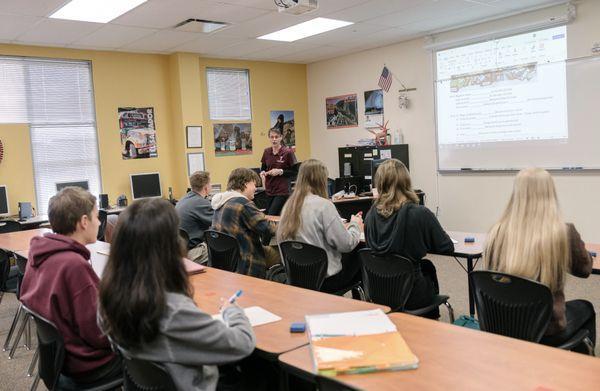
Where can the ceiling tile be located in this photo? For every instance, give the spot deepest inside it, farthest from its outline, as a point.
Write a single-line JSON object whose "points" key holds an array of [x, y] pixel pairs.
{"points": [[316, 54], [167, 13], [343, 36], [473, 15], [206, 44], [527, 4], [11, 26], [280, 49], [372, 9], [262, 4], [263, 25], [244, 47], [161, 41], [31, 7], [427, 10], [57, 32], [112, 36]]}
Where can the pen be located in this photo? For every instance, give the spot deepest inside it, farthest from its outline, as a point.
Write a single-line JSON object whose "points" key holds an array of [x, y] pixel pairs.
{"points": [[234, 297]]}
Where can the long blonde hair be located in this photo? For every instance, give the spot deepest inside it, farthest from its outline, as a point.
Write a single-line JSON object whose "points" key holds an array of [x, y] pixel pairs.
{"points": [[312, 179], [530, 240], [393, 185]]}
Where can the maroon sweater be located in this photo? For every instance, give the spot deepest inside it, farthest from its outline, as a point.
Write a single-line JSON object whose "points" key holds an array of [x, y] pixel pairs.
{"points": [[61, 286]]}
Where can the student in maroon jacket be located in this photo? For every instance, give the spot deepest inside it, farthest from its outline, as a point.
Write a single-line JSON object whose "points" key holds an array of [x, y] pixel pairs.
{"points": [[61, 286]]}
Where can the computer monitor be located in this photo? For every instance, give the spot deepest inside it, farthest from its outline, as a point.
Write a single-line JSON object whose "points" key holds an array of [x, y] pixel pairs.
{"points": [[145, 185], [83, 184], [4, 209]]}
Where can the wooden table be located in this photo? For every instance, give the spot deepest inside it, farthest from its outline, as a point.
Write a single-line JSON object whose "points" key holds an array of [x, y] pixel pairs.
{"points": [[288, 302], [19, 240], [32, 222], [458, 358]]}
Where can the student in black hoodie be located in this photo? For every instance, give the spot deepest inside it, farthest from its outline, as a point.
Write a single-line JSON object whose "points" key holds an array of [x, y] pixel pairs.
{"points": [[397, 224]]}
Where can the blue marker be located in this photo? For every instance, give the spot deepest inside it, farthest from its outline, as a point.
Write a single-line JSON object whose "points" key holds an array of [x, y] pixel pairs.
{"points": [[234, 297]]}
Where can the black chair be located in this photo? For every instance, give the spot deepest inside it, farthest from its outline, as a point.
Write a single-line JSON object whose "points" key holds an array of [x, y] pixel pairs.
{"points": [[388, 280], [328, 383], [306, 266], [51, 348], [142, 375], [185, 237], [103, 217], [20, 316], [5, 273], [517, 307], [7, 226], [223, 250]]}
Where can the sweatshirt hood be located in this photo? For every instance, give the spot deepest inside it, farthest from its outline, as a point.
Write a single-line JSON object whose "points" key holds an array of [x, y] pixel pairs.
{"points": [[385, 232], [220, 199], [42, 247]]}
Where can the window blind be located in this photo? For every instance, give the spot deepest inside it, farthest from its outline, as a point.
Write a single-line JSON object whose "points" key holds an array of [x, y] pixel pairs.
{"points": [[56, 98], [228, 94]]}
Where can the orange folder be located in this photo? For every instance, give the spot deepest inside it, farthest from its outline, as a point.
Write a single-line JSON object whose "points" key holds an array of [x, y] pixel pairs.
{"points": [[362, 354]]}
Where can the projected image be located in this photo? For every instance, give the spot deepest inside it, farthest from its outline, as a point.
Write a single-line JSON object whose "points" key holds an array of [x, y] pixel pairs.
{"points": [[507, 90]]}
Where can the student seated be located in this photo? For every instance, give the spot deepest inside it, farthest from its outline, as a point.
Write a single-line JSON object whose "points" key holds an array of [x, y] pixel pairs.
{"points": [[61, 286], [397, 224], [531, 240], [310, 217], [146, 304], [195, 214], [236, 215]]}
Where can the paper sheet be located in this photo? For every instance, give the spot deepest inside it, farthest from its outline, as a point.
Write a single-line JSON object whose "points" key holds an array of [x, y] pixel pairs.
{"points": [[256, 315], [349, 323], [454, 241]]}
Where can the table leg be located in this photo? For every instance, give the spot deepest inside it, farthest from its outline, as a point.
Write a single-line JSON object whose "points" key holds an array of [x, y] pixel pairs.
{"points": [[471, 299]]}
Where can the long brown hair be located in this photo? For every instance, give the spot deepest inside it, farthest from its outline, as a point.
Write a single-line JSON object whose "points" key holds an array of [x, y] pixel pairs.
{"points": [[530, 239], [394, 187], [312, 179], [144, 264]]}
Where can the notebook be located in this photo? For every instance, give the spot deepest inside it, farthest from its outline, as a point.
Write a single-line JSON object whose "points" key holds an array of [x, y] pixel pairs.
{"points": [[357, 342]]}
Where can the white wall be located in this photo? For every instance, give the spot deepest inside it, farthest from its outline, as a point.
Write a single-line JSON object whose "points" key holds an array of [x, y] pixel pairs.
{"points": [[469, 202]]}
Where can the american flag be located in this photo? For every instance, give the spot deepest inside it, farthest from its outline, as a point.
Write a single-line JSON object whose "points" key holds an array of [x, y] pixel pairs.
{"points": [[385, 80]]}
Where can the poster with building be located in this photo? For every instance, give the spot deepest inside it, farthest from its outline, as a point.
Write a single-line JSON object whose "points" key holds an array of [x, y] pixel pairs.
{"points": [[341, 111], [284, 121], [233, 139], [373, 108], [138, 132]]}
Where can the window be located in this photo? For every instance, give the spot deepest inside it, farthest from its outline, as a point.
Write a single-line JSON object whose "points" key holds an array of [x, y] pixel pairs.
{"points": [[56, 99], [228, 94]]}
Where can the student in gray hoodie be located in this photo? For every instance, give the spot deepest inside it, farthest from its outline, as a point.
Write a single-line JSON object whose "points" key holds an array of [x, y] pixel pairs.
{"points": [[310, 217], [146, 304]]}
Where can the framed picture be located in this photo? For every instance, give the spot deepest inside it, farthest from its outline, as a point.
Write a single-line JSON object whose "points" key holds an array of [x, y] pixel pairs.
{"points": [[193, 136], [195, 162]]}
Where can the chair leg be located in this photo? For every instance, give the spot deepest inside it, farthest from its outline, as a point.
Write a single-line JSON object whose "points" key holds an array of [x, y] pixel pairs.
{"points": [[28, 333], [34, 385], [361, 293], [13, 326], [589, 346], [450, 311], [1, 296], [34, 361], [18, 337]]}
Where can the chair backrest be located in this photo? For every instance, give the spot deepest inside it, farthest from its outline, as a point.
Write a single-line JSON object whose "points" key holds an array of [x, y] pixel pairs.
{"points": [[103, 217], [7, 226], [51, 350], [223, 250], [183, 234], [21, 266], [142, 375], [4, 269], [305, 264], [387, 279], [510, 305], [327, 383]]}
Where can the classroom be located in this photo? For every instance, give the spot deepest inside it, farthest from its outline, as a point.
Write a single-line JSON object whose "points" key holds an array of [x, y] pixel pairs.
{"points": [[419, 174]]}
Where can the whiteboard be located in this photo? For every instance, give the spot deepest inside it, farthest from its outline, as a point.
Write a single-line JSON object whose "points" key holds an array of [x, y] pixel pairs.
{"points": [[558, 128]]}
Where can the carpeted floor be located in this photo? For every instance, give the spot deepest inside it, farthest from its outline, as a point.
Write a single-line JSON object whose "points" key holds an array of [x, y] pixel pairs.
{"points": [[453, 282]]}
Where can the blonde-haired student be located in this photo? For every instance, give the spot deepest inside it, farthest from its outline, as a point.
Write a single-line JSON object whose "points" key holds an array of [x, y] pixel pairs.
{"points": [[532, 240]]}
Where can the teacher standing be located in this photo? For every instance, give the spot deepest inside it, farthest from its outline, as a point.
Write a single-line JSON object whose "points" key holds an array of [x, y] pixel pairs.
{"points": [[276, 168]]}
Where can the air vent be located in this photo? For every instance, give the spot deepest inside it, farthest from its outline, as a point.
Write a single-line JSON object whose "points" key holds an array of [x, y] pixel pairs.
{"points": [[200, 26]]}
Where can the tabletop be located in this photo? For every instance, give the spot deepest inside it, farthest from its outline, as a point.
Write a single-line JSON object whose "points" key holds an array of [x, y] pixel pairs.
{"points": [[463, 359]]}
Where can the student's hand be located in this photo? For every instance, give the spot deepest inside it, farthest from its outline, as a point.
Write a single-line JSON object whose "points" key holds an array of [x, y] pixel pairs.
{"points": [[263, 176], [357, 218]]}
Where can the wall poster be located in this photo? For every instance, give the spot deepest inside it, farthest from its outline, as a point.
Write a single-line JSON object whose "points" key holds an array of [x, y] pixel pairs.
{"points": [[138, 133], [284, 121], [341, 111], [233, 139]]}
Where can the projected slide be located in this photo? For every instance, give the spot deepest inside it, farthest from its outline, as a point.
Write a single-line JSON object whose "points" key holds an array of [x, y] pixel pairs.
{"points": [[506, 90]]}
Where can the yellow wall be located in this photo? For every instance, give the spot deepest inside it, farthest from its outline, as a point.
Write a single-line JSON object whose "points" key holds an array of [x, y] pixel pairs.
{"points": [[273, 86], [175, 86], [16, 165]]}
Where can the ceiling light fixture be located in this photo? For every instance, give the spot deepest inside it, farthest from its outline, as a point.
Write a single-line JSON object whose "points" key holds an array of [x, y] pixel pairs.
{"points": [[94, 10], [306, 29]]}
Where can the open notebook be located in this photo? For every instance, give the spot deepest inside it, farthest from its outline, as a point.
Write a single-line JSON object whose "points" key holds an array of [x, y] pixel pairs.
{"points": [[357, 342]]}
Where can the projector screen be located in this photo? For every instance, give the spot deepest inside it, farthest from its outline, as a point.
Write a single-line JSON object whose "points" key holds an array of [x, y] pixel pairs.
{"points": [[502, 105]]}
